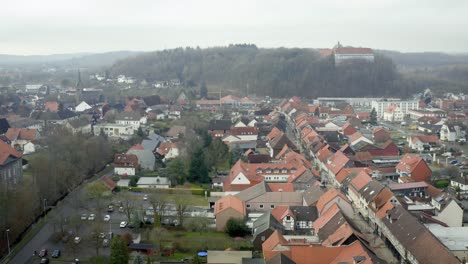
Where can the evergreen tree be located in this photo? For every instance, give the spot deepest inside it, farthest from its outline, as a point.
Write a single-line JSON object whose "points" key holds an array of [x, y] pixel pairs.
{"points": [[317, 112], [119, 251], [198, 171], [373, 117], [203, 90]]}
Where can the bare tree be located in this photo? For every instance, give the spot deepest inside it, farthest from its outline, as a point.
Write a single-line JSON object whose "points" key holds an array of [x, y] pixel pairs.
{"points": [[182, 201], [128, 204], [158, 201]]}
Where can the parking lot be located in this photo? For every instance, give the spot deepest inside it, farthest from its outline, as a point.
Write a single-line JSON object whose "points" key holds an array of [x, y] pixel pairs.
{"points": [[93, 230]]}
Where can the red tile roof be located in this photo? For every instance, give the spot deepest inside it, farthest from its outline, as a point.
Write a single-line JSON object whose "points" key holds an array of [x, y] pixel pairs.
{"points": [[281, 187], [344, 173], [21, 134], [230, 202], [126, 160], [6, 151], [337, 162], [165, 147], [416, 166], [237, 131], [274, 133], [51, 106], [109, 183], [325, 217], [327, 197], [280, 212], [361, 179]]}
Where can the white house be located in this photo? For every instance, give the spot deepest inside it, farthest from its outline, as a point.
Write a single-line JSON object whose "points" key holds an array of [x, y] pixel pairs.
{"points": [[83, 106], [381, 105], [125, 164], [447, 210], [154, 182], [462, 183], [393, 114], [131, 118], [451, 133]]}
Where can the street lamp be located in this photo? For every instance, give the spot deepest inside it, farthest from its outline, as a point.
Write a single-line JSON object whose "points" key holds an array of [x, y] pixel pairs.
{"points": [[8, 240]]}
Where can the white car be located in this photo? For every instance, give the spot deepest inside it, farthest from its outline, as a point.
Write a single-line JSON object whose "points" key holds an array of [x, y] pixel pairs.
{"points": [[123, 224], [77, 240], [84, 216], [106, 218], [145, 197], [91, 217]]}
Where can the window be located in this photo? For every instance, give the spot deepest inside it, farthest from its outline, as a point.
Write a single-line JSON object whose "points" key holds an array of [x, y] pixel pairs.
{"points": [[248, 205], [276, 171], [288, 218], [272, 206], [284, 170], [261, 206], [259, 170]]}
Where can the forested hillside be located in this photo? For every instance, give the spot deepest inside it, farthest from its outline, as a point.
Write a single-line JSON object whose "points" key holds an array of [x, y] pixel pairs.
{"points": [[285, 72], [276, 72]]}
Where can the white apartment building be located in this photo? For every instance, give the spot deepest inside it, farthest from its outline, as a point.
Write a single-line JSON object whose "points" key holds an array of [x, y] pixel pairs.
{"points": [[114, 130], [404, 106]]}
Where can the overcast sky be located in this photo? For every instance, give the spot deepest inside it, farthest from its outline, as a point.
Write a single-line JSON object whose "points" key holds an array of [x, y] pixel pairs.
{"points": [[66, 26]]}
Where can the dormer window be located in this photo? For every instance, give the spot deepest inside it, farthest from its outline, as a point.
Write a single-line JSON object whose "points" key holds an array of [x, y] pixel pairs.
{"points": [[276, 171], [268, 170], [284, 170], [293, 170], [259, 170]]}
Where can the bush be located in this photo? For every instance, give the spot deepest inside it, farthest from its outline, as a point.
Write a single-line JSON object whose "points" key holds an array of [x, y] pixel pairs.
{"points": [[236, 227], [133, 181], [442, 184]]}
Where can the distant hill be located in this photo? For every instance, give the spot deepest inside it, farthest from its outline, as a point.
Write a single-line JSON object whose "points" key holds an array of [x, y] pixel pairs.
{"points": [[72, 59], [424, 59], [274, 72]]}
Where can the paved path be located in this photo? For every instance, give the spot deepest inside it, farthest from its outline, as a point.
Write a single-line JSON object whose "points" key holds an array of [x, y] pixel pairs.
{"points": [[375, 242]]}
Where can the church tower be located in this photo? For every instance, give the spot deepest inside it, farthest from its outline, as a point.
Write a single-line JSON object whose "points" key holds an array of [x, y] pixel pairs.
{"points": [[79, 88]]}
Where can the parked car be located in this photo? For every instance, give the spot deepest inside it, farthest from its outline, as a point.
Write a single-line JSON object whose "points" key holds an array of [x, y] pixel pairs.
{"points": [[76, 261], [102, 235], [91, 217], [84, 216], [43, 253], [145, 197], [56, 253], [106, 218], [44, 261], [121, 209], [77, 240], [110, 208], [123, 224]]}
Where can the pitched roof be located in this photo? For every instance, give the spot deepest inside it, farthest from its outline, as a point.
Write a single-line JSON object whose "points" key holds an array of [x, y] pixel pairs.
{"points": [[109, 183], [280, 212], [409, 162], [280, 141], [347, 172], [254, 191], [328, 197], [337, 162], [21, 134], [416, 238], [6, 151], [325, 217], [264, 222], [230, 202], [51, 106], [281, 187], [371, 190], [274, 240], [361, 179], [313, 194], [223, 124], [274, 133], [126, 160]]}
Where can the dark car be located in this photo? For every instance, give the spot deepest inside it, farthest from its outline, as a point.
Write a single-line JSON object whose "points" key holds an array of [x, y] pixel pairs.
{"points": [[56, 253], [43, 253], [44, 261]]}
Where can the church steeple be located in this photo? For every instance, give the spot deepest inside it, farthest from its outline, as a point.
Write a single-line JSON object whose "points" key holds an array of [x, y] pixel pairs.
{"points": [[79, 87]]}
